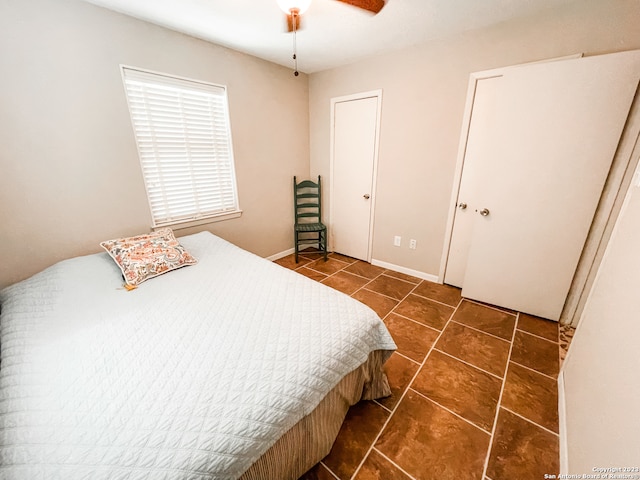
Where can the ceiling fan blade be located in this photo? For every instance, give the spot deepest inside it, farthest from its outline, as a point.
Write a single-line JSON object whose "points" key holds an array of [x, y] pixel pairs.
{"points": [[371, 5], [290, 22]]}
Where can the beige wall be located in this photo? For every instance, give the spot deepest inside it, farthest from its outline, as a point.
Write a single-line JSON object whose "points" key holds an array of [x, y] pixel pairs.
{"points": [[602, 393], [424, 91], [69, 171]]}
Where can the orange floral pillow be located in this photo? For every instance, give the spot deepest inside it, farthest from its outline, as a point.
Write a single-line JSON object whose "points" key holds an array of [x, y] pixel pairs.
{"points": [[146, 256]]}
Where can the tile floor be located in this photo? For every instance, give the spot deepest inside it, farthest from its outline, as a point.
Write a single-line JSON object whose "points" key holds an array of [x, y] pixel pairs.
{"points": [[474, 387]]}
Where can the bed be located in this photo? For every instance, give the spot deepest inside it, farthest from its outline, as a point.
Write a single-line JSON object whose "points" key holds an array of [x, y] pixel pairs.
{"points": [[230, 368]]}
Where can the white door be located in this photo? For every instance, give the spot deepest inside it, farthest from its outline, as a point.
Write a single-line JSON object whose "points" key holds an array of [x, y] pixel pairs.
{"points": [[477, 148], [555, 130], [355, 132]]}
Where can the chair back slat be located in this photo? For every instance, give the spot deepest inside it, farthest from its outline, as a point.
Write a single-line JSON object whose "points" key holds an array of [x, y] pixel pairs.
{"points": [[307, 206], [307, 201]]}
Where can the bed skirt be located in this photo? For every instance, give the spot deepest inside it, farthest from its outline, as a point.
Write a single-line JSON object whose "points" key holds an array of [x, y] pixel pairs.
{"points": [[311, 439]]}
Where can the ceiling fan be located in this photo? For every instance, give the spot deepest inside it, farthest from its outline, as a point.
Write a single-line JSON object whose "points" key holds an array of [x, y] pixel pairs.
{"points": [[294, 8]]}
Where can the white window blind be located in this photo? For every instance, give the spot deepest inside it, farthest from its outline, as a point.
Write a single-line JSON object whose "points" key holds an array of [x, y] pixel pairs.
{"points": [[184, 142]]}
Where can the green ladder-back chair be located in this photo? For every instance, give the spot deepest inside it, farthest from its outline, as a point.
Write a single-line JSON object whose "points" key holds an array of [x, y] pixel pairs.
{"points": [[308, 227]]}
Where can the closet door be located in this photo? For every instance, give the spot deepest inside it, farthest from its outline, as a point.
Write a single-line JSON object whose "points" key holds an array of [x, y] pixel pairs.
{"points": [[353, 166], [555, 130], [478, 147]]}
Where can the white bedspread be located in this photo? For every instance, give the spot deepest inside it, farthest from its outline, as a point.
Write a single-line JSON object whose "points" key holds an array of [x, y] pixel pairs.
{"points": [[193, 375]]}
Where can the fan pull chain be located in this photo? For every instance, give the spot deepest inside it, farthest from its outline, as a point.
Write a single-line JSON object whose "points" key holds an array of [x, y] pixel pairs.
{"points": [[294, 20]]}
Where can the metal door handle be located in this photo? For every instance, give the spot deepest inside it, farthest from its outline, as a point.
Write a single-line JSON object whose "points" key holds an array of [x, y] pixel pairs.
{"points": [[484, 212], [462, 206], [366, 196]]}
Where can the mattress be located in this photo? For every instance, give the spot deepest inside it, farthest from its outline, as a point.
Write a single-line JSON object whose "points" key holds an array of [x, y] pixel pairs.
{"points": [[196, 374]]}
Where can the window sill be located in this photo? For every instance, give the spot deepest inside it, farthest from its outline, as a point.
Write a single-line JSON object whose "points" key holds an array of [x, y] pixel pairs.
{"points": [[180, 224]]}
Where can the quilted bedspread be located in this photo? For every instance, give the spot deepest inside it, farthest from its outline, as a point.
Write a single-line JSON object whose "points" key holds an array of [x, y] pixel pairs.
{"points": [[193, 375]]}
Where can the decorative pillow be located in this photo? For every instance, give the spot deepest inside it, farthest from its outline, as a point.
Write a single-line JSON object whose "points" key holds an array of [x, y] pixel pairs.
{"points": [[147, 256]]}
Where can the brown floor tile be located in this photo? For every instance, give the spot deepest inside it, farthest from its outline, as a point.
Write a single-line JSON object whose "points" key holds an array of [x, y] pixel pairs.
{"points": [[484, 351], [538, 326], [522, 450], [399, 371], [365, 269], [312, 253], [496, 307], [532, 395], [465, 390], [343, 258], [391, 287], [290, 262], [487, 319], [413, 339], [430, 443], [537, 353], [313, 256], [424, 311], [442, 293], [403, 276], [360, 428], [318, 472], [312, 274], [379, 303], [345, 282], [427, 440], [329, 267], [376, 467]]}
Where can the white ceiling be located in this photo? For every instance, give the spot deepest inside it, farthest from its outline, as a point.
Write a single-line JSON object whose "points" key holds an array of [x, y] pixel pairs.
{"points": [[333, 33]]}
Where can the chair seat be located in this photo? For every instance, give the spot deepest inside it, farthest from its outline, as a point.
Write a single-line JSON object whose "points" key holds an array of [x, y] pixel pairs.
{"points": [[309, 227]]}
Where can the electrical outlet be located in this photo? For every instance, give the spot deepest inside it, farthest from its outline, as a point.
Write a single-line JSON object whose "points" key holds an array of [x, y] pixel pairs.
{"points": [[412, 244], [397, 240]]}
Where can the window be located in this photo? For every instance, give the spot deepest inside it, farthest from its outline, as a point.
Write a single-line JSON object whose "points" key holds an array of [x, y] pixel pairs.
{"points": [[184, 143]]}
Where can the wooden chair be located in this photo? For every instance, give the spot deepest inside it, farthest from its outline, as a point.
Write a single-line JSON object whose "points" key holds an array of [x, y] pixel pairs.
{"points": [[308, 227]]}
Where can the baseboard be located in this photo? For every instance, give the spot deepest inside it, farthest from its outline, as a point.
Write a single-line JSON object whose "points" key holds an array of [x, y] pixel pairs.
{"points": [[405, 270], [277, 256], [562, 421]]}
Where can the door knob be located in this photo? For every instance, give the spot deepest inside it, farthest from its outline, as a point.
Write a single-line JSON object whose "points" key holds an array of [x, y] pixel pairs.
{"points": [[366, 196], [484, 212], [462, 206]]}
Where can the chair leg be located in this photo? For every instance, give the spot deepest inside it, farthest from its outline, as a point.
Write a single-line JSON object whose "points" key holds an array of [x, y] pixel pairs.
{"points": [[323, 236], [295, 241]]}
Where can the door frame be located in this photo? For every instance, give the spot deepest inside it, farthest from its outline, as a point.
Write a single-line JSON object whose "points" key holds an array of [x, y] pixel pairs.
{"points": [[376, 148], [623, 165]]}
